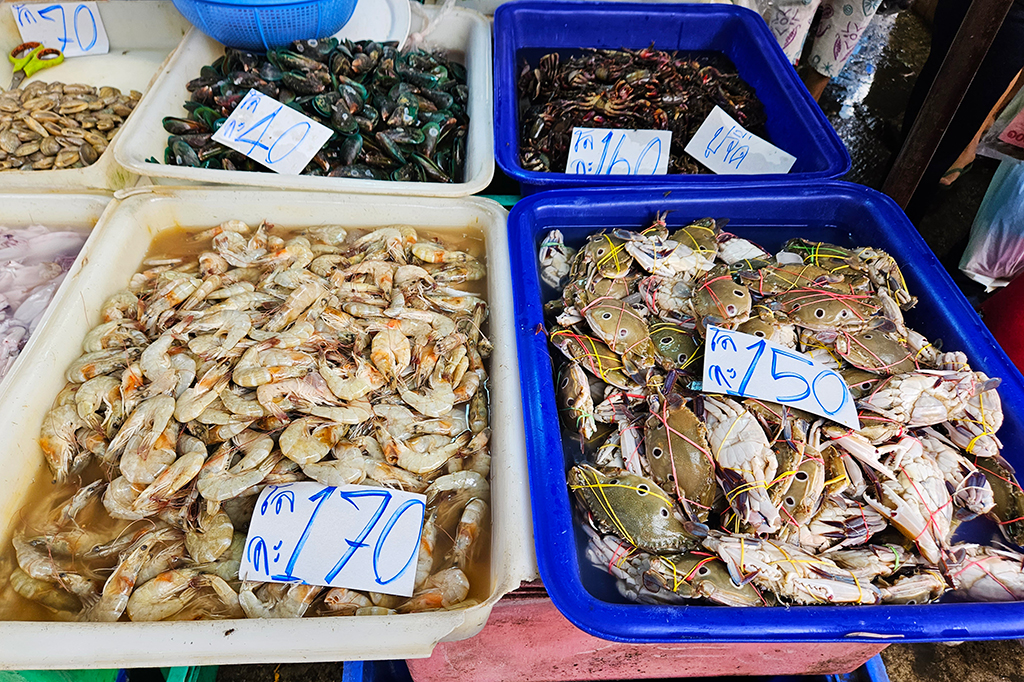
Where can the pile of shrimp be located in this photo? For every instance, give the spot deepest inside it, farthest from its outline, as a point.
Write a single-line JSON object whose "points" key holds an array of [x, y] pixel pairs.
{"points": [[272, 357], [33, 262]]}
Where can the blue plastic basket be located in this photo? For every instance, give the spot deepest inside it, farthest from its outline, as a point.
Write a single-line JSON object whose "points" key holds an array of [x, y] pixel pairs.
{"points": [[266, 24], [795, 122], [835, 212]]}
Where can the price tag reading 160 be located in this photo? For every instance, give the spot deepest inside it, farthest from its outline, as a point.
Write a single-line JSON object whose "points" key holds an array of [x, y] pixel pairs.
{"points": [[745, 365], [353, 536], [597, 151]]}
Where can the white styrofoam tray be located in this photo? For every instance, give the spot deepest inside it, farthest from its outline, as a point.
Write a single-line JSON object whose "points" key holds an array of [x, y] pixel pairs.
{"points": [[113, 253], [78, 212], [461, 33], [142, 35]]}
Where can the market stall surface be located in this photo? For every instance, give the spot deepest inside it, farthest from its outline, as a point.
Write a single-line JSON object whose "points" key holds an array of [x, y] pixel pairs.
{"points": [[865, 104]]}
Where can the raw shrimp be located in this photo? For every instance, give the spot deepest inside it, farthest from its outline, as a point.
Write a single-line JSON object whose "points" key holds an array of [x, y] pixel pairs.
{"points": [[470, 525], [276, 600], [341, 601], [118, 588], [440, 591], [57, 439], [172, 592], [210, 537]]}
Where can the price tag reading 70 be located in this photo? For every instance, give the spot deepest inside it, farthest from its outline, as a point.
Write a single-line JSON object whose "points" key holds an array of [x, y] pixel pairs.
{"points": [[74, 28], [272, 134], [744, 365], [353, 536]]}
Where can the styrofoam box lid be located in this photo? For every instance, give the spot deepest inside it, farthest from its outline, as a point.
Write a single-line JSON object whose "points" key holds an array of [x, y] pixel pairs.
{"points": [[113, 253], [461, 33], [142, 36]]}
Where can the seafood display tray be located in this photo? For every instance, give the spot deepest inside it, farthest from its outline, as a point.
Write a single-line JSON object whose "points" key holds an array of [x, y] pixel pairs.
{"points": [[795, 122], [117, 246], [462, 33], [78, 212], [834, 212], [142, 35]]}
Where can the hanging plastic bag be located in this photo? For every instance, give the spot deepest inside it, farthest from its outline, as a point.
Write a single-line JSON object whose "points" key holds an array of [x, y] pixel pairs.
{"points": [[995, 251]]}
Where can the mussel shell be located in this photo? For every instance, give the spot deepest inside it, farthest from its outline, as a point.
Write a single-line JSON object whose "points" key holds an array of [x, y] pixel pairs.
{"points": [[183, 153], [357, 171], [302, 83], [350, 148]]}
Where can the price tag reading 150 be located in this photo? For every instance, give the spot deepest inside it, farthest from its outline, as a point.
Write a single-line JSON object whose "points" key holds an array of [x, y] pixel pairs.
{"points": [[745, 365], [598, 151], [272, 134], [353, 536]]}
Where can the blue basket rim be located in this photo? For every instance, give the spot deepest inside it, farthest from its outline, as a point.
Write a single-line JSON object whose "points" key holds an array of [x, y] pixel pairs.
{"points": [[505, 108], [256, 4], [558, 560]]}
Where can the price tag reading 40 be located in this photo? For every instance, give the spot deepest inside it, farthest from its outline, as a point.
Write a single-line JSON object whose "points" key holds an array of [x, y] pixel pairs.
{"points": [[745, 365], [352, 536], [598, 151], [74, 28], [272, 134]]}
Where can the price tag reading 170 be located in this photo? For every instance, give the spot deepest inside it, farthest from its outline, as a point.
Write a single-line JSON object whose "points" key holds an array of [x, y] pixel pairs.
{"points": [[352, 536], [272, 134], [74, 28], [745, 365], [598, 151]]}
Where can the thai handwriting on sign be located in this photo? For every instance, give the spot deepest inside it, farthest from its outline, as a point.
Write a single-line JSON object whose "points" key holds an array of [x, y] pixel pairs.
{"points": [[272, 134], [75, 28], [352, 536], [735, 150], [1013, 133], [745, 365], [726, 147], [598, 151]]}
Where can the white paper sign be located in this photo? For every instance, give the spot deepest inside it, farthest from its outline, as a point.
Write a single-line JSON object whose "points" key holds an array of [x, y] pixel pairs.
{"points": [[74, 28], [272, 134], [745, 365], [599, 151], [354, 536], [724, 146]]}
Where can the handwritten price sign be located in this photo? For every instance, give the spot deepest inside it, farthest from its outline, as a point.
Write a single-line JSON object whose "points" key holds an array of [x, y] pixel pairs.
{"points": [[74, 28], [272, 134], [351, 536], [597, 151], [745, 365], [727, 148], [1014, 132]]}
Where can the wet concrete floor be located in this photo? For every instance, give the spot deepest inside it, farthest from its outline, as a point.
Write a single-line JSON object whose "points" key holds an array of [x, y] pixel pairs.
{"points": [[865, 104]]}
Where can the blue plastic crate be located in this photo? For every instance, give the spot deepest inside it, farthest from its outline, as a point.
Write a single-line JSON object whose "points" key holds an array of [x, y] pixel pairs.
{"points": [[795, 122], [835, 212]]}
